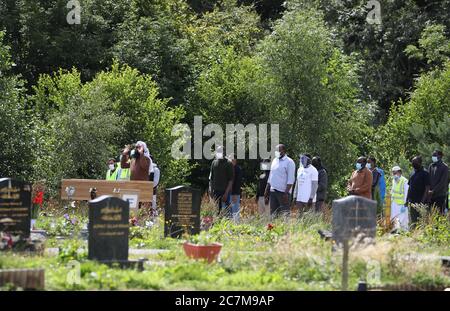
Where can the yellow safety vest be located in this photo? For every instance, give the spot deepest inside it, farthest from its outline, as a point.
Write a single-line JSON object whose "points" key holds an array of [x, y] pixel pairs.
{"points": [[123, 173], [398, 191], [112, 176]]}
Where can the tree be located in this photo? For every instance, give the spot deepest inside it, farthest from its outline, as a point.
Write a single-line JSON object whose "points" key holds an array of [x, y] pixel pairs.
{"points": [[84, 124], [312, 90], [15, 123], [77, 136], [429, 106], [43, 41], [388, 72]]}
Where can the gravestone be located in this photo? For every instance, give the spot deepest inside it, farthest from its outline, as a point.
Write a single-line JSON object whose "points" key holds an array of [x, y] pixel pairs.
{"points": [[15, 207], [354, 215], [108, 229], [182, 211]]}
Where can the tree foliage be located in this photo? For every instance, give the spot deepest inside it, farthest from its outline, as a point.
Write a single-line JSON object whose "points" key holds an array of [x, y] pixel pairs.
{"points": [[15, 132], [318, 111]]}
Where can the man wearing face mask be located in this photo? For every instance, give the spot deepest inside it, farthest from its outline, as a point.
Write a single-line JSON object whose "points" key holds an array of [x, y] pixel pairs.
{"points": [[306, 184], [360, 183], [438, 181], [419, 184], [263, 208], [399, 194], [279, 184], [140, 161], [221, 179], [111, 174], [321, 193], [376, 178]]}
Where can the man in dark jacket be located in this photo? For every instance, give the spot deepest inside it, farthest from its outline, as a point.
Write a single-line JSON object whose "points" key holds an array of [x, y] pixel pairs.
{"points": [[419, 185], [438, 181], [221, 180], [321, 193]]}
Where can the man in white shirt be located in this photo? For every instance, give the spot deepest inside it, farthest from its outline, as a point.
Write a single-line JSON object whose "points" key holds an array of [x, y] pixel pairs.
{"points": [[279, 184], [306, 184]]}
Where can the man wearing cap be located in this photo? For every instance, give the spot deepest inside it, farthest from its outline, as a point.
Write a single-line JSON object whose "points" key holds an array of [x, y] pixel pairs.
{"points": [[399, 195]]}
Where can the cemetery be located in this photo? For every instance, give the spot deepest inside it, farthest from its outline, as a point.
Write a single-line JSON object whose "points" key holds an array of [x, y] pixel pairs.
{"points": [[95, 245], [170, 146]]}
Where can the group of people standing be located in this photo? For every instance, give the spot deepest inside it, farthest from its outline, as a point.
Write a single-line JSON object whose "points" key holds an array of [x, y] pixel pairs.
{"points": [[279, 182], [135, 164], [424, 188], [274, 186]]}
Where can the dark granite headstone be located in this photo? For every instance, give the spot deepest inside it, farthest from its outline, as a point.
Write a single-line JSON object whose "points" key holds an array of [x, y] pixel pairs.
{"points": [[15, 207], [108, 229], [354, 215], [182, 211]]}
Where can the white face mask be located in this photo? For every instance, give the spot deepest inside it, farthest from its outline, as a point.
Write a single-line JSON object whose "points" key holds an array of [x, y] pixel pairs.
{"points": [[111, 166], [277, 154], [219, 155], [265, 167]]}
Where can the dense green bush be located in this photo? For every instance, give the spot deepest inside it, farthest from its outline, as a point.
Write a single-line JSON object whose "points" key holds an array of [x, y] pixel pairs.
{"points": [[15, 124]]}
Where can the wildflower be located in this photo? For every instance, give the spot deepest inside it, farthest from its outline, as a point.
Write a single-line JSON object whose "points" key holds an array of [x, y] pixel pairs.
{"points": [[39, 198], [270, 227], [134, 221], [66, 216]]}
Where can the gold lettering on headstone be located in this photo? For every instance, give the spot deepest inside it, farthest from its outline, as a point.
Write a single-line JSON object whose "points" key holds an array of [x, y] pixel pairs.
{"points": [[111, 214]]}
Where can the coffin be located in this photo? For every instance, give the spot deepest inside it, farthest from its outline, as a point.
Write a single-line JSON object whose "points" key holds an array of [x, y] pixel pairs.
{"points": [[120, 189]]}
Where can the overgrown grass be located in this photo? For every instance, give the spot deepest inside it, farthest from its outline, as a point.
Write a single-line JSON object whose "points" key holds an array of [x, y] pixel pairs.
{"points": [[258, 253]]}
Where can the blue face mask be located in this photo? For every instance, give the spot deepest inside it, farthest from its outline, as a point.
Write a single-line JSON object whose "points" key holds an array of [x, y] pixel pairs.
{"points": [[369, 166], [304, 160], [434, 159], [358, 166], [396, 177]]}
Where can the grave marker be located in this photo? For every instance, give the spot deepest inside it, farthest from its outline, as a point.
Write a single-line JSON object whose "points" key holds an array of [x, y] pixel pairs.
{"points": [[352, 215], [182, 211], [15, 207], [108, 229]]}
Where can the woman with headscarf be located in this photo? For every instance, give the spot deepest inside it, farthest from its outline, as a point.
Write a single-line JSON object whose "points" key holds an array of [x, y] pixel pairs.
{"points": [[140, 161]]}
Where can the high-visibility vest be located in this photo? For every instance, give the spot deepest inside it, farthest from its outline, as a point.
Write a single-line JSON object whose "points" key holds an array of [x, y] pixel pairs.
{"points": [[398, 190], [112, 176], [123, 173]]}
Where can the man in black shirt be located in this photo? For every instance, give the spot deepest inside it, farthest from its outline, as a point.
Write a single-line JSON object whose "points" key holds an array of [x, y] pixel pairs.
{"points": [[221, 179], [438, 181], [321, 193], [419, 184]]}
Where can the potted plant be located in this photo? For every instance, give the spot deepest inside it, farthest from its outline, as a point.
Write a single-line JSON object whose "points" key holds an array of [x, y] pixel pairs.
{"points": [[202, 246]]}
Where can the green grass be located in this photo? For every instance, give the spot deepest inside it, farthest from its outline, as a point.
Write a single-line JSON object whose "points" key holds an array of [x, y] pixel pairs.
{"points": [[289, 256]]}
